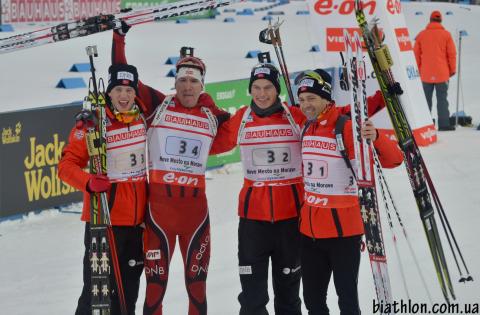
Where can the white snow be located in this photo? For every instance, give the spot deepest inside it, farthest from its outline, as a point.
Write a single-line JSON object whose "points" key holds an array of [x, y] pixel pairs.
{"points": [[42, 254]]}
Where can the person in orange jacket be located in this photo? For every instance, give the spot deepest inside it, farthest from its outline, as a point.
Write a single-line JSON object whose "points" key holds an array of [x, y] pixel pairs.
{"points": [[436, 59], [268, 133], [181, 130], [125, 184], [330, 221]]}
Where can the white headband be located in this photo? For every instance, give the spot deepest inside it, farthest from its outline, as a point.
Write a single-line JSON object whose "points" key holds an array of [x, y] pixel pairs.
{"points": [[189, 72]]}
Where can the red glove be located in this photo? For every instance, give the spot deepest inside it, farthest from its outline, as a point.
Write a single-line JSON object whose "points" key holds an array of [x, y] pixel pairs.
{"points": [[98, 183], [375, 103]]}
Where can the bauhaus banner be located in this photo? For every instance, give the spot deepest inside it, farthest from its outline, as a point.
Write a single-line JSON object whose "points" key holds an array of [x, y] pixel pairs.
{"points": [[34, 11]]}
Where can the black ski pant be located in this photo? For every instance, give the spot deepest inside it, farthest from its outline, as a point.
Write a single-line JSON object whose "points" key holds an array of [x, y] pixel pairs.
{"points": [[322, 257], [129, 244], [442, 102], [258, 242]]}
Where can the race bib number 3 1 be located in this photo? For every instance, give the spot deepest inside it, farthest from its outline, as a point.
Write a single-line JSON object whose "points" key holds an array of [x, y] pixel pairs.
{"points": [[316, 169]]}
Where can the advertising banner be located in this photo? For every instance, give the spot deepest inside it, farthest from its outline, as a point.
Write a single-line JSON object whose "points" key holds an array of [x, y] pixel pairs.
{"points": [[136, 4], [35, 11], [329, 19], [31, 147], [46, 11]]}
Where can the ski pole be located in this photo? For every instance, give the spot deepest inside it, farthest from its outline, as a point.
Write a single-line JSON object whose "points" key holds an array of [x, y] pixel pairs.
{"points": [[458, 74], [271, 36]]}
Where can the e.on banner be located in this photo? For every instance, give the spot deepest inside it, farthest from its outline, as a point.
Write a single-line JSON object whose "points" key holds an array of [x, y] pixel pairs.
{"points": [[28, 11], [331, 17]]}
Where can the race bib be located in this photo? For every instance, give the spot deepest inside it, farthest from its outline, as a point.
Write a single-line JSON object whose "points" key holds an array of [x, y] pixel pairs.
{"points": [[178, 149], [271, 155], [328, 180], [126, 153]]}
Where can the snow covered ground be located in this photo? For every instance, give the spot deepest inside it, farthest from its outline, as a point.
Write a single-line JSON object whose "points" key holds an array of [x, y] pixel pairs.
{"points": [[40, 268], [42, 254]]}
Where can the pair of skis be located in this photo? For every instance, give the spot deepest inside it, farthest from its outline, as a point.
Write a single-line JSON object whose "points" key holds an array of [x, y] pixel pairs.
{"points": [[356, 78], [105, 22], [420, 180], [103, 254], [366, 157]]}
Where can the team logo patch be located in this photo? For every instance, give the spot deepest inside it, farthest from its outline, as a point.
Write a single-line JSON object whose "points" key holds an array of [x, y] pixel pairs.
{"points": [[124, 75], [245, 270], [153, 255], [307, 82], [79, 133], [262, 70]]}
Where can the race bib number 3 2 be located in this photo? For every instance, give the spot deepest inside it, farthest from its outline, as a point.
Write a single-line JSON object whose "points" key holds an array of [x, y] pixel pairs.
{"points": [[271, 156]]}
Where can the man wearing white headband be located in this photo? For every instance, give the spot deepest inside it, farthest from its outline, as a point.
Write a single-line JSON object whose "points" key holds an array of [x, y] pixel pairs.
{"points": [[189, 81], [182, 128]]}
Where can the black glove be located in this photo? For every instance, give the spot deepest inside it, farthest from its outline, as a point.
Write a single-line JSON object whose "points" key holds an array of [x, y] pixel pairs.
{"points": [[395, 89], [123, 30]]}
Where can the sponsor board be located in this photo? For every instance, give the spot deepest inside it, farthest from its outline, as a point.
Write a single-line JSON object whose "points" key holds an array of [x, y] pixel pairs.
{"points": [[138, 4], [28, 11], [412, 72], [403, 39], [32, 144]]}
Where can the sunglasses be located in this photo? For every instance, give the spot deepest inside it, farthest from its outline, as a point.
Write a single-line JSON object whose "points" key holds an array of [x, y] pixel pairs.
{"points": [[309, 74]]}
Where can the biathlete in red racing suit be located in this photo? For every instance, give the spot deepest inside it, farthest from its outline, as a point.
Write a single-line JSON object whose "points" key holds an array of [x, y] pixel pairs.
{"points": [[125, 185], [331, 223], [180, 135], [268, 133]]}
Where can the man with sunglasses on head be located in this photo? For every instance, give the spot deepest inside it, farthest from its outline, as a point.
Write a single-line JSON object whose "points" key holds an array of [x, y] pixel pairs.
{"points": [[331, 223], [268, 133], [181, 130]]}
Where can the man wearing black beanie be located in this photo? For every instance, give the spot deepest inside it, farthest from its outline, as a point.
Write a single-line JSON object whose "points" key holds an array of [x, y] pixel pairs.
{"points": [[122, 90], [268, 133], [124, 183], [331, 224]]}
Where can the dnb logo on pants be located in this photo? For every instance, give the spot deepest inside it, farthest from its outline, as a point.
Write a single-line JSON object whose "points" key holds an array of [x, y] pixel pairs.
{"points": [[152, 267]]}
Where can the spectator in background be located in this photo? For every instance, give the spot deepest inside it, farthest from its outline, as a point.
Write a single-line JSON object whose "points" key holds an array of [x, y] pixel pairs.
{"points": [[436, 58]]}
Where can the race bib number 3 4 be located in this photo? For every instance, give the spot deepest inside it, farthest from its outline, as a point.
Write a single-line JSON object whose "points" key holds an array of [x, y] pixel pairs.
{"points": [[178, 146]]}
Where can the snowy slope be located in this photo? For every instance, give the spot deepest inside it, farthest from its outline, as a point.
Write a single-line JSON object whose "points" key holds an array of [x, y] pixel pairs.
{"points": [[42, 254], [40, 269]]}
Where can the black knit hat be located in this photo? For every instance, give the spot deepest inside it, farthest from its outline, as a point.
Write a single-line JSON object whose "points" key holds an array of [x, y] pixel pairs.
{"points": [[265, 71], [122, 74], [318, 82]]}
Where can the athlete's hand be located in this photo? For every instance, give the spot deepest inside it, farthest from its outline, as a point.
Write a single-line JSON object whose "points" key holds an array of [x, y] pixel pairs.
{"points": [[98, 183], [369, 131], [124, 29]]}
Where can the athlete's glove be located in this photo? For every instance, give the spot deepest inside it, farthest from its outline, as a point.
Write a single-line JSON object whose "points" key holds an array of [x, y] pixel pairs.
{"points": [[98, 183], [124, 29]]}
